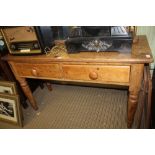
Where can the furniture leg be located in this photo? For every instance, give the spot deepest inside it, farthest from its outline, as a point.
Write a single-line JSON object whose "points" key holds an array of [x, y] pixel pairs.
{"points": [[148, 118], [41, 84], [142, 99], [27, 91], [134, 88], [49, 86]]}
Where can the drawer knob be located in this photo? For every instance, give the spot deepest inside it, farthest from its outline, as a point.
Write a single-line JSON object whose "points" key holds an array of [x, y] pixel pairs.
{"points": [[93, 75], [34, 72]]}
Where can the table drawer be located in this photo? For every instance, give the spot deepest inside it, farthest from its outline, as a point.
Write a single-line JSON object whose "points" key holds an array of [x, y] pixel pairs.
{"points": [[38, 70], [97, 73]]}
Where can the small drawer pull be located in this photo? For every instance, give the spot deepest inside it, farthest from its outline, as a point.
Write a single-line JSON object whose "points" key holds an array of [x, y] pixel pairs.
{"points": [[93, 75], [12, 38], [34, 72]]}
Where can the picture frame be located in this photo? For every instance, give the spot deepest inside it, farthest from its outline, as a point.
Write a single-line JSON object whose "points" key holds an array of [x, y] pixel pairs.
{"points": [[10, 110], [8, 87]]}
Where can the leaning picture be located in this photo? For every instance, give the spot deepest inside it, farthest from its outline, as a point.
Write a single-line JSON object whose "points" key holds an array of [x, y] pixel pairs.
{"points": [[7, 87], [6, 109], [10, 109]]}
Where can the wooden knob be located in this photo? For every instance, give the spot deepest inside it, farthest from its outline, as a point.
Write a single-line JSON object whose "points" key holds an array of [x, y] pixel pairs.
{"points": [[12, 38], [93, 75], [34, 72]]}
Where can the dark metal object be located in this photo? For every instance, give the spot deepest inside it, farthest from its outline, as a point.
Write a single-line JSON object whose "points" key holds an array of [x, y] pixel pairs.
{"points": [[45, 37], [99, 38]]}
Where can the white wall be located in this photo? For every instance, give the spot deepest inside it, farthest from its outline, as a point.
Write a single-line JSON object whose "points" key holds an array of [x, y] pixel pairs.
{"points": [[149, 31]]}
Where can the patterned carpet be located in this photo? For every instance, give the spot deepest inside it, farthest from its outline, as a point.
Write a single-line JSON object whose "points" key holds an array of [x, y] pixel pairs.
{"points": [[76, 107]]}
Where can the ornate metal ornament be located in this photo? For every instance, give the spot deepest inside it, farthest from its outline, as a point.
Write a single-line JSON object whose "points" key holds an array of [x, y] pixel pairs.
{"points": [[97, 45]]}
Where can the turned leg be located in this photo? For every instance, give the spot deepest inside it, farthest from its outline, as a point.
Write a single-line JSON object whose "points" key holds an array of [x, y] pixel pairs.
{"points": [[134, 88], [49, 86], [26, 89], [132, 106], [41, 84]]}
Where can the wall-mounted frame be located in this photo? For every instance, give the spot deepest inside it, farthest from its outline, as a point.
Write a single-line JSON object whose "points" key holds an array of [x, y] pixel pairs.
{"points": [[10, 110], [8, 87]]}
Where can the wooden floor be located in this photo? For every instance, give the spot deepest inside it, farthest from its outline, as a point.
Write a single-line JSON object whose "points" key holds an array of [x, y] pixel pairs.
{"points": [[76, 107]]}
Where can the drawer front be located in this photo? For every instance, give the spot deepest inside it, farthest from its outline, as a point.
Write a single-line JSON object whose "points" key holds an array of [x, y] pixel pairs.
{"points": [[38, 70], [97, 73]]}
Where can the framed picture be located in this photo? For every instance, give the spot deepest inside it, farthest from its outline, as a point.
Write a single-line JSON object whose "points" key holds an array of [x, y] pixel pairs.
{"points": [[10, 110], [8, 87]]}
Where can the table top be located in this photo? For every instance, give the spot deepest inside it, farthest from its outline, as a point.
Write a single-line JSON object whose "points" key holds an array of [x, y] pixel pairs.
{"points": [[140, 53]]}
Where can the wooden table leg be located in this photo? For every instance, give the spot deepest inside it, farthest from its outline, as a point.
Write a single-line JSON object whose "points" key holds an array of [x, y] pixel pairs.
{"points": [[134, 88], [27, 91]]}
